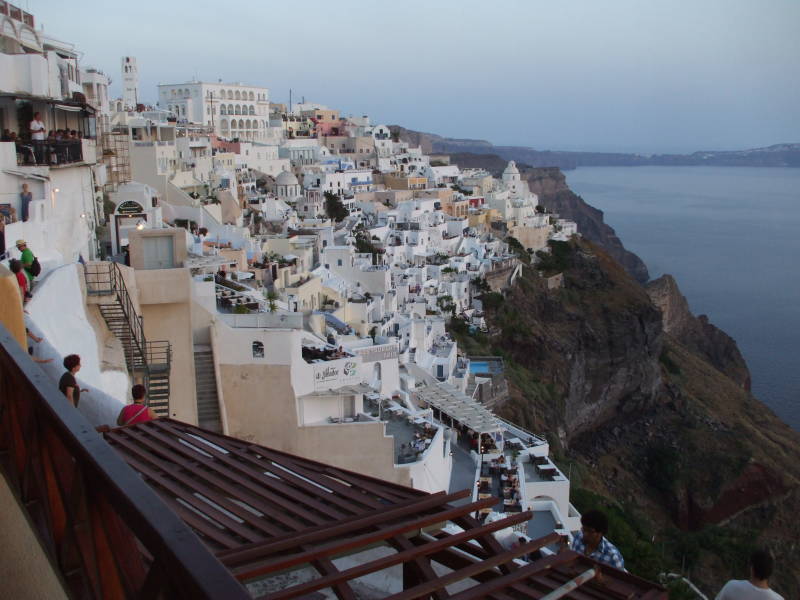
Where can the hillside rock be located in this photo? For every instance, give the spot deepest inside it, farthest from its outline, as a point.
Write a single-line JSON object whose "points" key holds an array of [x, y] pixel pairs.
{"points": [[596, 340], [697, 334]]}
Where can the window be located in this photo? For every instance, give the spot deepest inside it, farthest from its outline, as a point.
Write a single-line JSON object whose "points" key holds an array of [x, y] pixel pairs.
{"points": [[339, 262], [158, 252], [258, 350]]}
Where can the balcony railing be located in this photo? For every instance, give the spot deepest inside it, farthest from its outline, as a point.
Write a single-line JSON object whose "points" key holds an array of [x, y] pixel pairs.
{"points": [[104, 529], [51, 153]]}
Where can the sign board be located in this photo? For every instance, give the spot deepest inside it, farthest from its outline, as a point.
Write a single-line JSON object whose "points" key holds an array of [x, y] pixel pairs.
{"points": [[129, 207], [376, 353], [335, 374]]}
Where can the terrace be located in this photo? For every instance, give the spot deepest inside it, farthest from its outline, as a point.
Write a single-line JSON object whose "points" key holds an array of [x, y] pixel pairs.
{"points": [[412, 434]]}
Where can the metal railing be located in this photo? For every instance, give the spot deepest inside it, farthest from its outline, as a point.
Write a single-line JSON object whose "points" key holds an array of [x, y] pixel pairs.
{"points": [[103, 528], [106, 278]]}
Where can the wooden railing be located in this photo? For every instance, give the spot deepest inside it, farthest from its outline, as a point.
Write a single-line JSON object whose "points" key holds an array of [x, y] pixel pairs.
{"points": [[104, 529]]}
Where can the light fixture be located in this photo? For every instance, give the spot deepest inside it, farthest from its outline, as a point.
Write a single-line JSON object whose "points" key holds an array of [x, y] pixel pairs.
{"points": [[56, 190], [140, 225]]}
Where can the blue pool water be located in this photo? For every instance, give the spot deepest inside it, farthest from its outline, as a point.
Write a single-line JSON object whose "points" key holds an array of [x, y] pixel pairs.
{"points": [[479, 367]]}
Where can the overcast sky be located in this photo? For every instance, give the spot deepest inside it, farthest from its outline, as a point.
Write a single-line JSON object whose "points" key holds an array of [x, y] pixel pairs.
{"points": [[638, 75]]}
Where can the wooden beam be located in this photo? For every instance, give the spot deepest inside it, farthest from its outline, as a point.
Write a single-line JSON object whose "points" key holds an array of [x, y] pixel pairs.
{"points": [[389, 561]]}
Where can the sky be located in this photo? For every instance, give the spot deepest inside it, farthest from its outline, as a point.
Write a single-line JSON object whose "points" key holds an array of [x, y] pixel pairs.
{"points": [[618, 75]]}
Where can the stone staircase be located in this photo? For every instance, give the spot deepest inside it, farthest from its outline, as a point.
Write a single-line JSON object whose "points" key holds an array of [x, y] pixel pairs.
{"points": [[208, 415]]}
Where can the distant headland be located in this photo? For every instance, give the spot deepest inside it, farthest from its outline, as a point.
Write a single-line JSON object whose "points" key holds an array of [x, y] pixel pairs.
{"points": [[777, 155]]}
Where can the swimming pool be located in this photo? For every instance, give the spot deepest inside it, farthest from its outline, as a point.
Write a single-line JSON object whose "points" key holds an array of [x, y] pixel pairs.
{"points": [[479, 367]]}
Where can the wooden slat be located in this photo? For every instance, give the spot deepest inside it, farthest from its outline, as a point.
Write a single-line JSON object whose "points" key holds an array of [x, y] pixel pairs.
{"points": [[258, 551], [264, 529], [400, 557], [264, 482], [245, 480], [469, 571]]}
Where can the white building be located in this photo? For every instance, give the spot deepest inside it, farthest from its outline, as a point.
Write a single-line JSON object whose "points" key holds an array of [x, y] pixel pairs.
{"points": [[234, 110]]}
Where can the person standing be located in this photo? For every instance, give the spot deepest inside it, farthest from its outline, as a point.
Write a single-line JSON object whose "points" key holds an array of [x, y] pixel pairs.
{"points": [[25, 198], [591, 541], [38, 130], [16, 268], [26, 259], [138, 412], [68, 385], [755, 588]]}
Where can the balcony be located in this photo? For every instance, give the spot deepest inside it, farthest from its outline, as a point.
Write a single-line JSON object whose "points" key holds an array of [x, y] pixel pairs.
{"points": [[55, 153], [103, 528]]}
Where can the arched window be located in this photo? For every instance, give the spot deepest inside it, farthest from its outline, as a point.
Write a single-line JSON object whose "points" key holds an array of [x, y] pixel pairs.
{"points": [[376, 375], [247, 124], [173, 92], [237, 110], [222, 110], [230, 109], [224, 124], [237, 95], [241, 124], [251, 96], [258, 350], [233, 123], [252, 109]]}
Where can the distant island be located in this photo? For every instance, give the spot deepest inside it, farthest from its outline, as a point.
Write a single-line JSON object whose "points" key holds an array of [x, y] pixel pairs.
{"points": [[777, 155]]}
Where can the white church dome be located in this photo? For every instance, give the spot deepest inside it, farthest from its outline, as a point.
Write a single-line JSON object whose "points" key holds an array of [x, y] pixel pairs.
{"points": [[286, 178]]}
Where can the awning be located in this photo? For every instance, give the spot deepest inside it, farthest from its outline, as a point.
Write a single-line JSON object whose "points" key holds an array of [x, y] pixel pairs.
{"points": [[26, 174], [68, 108], [459, 407]]}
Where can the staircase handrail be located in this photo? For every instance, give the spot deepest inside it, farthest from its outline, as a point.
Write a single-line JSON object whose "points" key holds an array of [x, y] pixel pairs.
{"points": [[119, 288]]}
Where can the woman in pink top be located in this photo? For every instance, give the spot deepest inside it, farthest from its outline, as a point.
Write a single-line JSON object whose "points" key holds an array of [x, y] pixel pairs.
{"points": [[138, 412]]}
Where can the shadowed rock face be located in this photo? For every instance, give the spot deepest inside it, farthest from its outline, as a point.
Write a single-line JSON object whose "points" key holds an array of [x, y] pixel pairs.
{"points": [[697, 334], [597, 340]]}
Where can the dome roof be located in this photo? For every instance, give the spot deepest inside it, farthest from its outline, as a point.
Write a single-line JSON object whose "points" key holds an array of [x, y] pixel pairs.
{"points": [[286, 178], [511, 169]]}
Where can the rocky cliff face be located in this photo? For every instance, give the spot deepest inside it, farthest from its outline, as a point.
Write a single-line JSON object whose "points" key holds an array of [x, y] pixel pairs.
{"points": [[649, 429], [697, 333], [554, 194], [596, 341]]}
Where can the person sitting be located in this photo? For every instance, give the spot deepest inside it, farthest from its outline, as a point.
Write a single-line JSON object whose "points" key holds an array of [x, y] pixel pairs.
{"points": [[755, 588], [591, 541], [138, 412]]}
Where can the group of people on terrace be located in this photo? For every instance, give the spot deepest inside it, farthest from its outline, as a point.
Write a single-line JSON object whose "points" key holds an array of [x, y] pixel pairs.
{"points": [[56, 146], [311, 353]]}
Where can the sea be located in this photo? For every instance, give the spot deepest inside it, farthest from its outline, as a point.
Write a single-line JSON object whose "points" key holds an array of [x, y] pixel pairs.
{"points": [[731, 238]]}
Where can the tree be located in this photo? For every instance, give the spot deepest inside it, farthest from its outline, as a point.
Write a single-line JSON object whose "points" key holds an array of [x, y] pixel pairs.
{"points": [[334, 208], [271, 297]]}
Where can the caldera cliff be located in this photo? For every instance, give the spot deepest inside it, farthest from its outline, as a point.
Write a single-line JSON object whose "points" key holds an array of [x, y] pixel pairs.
{"points": [[636, 399]]}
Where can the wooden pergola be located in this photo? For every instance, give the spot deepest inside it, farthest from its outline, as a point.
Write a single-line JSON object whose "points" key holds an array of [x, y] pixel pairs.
{"points": [[263, 512]]}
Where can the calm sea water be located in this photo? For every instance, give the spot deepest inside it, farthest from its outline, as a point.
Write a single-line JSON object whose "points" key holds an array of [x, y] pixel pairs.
{"points": [[731, 239]]}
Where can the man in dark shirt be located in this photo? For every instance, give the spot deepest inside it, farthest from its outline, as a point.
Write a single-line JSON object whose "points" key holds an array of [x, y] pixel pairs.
{"points": [[68, 385]]}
